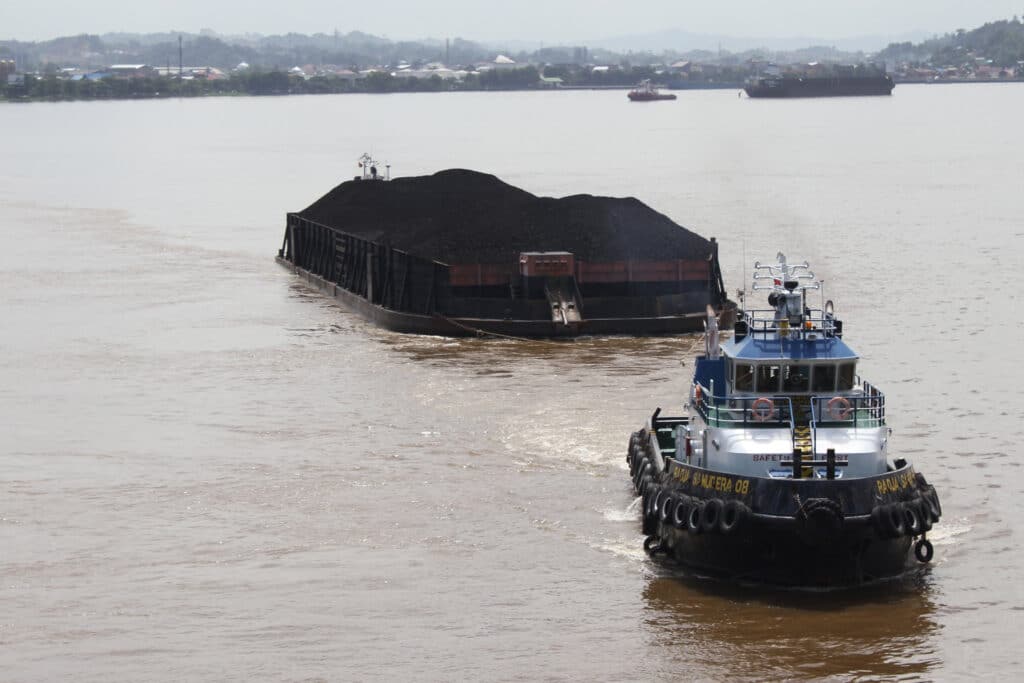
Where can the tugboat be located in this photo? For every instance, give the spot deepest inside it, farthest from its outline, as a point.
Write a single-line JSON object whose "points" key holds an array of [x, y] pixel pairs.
{"points": [[645, 92], [778, 472]]}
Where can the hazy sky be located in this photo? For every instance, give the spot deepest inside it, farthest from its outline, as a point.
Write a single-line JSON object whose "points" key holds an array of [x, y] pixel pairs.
{"points": [[551, 21]]}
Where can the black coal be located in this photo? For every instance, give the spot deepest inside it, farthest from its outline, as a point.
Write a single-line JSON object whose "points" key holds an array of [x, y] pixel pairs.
{"points": [[462, 216]]}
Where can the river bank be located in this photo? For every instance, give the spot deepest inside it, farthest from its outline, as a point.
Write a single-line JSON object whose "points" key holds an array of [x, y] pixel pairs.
{"points": [[157, 89]]}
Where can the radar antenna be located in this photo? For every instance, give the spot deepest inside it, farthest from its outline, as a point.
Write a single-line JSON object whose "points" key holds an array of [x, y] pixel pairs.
{"points": [[369, 168]]}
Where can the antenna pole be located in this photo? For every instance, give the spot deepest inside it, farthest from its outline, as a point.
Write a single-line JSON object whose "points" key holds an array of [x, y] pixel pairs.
{"points": [[744, 269]]}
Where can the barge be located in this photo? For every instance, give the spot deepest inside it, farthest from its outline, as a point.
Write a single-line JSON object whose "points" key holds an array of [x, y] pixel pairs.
{"points": [[462, 253], [822, 81], [778, 471]]}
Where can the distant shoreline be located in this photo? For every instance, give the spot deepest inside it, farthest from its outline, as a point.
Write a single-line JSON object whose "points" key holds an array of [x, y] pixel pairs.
{"points": [[701, 86]]}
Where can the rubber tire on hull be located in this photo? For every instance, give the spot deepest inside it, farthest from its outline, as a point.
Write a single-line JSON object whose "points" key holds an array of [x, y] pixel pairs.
{"points": [[734, 516], [681, 511], [711, 515], [923, 551], [668, 508], [641, 470], [647, 502], [652, 545], [911, 519], [694, 519], [646, 482], [889, 521], [924, 514], [651, 509], [931, 500]]}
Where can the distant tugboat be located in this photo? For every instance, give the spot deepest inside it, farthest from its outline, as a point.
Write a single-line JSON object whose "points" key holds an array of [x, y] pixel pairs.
{"points": [[778, 473], [816, 80], [645, 92]]}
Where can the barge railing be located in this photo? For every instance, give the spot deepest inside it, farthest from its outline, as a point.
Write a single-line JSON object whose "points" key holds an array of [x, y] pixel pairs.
{"points": [[381, 274]]}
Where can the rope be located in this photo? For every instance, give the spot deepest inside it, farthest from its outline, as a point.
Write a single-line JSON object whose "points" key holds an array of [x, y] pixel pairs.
{"points": [[483, 333]]}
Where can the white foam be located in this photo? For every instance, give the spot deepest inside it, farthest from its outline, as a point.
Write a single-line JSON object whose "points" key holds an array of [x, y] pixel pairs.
{"points": [[630, 514], [631, 550], [946, 532]]}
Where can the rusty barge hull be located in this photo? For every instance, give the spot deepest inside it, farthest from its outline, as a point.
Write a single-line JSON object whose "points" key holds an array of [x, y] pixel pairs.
{"points": [[442, 325], [405, 293]]}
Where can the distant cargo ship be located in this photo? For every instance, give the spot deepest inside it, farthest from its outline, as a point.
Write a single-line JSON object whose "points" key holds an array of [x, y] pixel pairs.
{"points": [[836, 81]]}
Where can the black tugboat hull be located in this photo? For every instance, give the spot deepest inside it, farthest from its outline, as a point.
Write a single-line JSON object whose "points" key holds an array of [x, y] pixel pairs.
{"points": [[805, 533], [780, 557]]}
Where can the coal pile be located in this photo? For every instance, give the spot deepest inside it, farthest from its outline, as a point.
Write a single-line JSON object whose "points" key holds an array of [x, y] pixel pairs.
{"points": [[461, 216]]}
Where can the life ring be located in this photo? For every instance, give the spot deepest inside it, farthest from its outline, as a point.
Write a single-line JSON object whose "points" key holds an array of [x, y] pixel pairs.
{"points": [[696, 395], [762, 409], [839, 408]]}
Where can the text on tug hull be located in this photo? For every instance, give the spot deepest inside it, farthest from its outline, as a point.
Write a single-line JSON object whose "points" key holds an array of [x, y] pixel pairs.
{"points": [[779, 472]]}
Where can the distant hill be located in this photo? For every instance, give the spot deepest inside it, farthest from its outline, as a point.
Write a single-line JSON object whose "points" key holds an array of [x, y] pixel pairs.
{"points": [[210, 49], [685, 41], [999, 41]]}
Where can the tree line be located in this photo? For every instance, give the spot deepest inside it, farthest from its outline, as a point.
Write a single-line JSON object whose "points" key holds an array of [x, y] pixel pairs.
{"points": [[255, 82], [1000, 41]]}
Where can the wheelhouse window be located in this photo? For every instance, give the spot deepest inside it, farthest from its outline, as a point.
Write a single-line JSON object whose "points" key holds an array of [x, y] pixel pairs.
{"points": [[768, 378], [824, 378], [846, 376], [796, 378], [744, 377]]}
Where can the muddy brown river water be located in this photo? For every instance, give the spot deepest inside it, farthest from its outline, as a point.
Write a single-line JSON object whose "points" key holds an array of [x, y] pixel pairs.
{"points": [[210, 472]]}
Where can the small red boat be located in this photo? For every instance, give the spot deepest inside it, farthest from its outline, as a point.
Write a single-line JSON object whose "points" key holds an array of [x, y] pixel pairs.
{"points": [[645, 92]]}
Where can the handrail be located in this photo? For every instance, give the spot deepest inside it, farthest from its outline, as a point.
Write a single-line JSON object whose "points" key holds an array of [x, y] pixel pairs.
{"points": [[766, 320], [865, 411], [835, 410], [734, 411]]}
